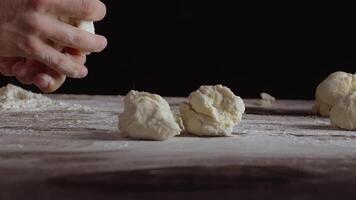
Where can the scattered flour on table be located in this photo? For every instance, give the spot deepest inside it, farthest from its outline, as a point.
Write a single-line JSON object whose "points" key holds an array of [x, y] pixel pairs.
{"points": [[14, 98]]}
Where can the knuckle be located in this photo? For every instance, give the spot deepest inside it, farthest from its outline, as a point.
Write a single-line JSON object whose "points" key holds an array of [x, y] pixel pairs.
{"points": [[71, 39], [87, 7], [65, 66], [47, 59], [32, 24], [61, 63], [31, 47]]}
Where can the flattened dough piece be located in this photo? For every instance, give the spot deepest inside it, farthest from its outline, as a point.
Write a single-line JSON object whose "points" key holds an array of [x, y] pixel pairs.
{"points": [[343, 114], [147, 116], [212, 111], [336, 86]]}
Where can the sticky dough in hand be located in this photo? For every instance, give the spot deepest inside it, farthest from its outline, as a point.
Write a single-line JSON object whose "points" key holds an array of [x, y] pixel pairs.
{"points": [[147, 116], [86, 26], [82, 24], [336, 86], [212, 111]]}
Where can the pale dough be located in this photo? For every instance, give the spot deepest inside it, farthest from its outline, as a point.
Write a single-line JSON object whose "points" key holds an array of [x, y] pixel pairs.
{"points": [[336, 86], [148, 116], [82, 24], [343, 114], [266, 100], [212, 111], [86, 26]]}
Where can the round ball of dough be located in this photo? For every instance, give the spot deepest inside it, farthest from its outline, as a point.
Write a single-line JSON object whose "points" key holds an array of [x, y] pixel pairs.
{"points": [[212, 111], [147, 116], [343, 114], [336, 86]]}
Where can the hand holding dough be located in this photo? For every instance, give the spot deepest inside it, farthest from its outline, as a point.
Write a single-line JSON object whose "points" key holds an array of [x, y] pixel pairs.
{"points": [[336, 86], [212, 111], [147, 116]]}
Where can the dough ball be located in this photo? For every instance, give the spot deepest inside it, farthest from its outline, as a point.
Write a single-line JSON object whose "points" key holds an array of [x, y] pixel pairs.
{"points": [[343, 114], [336, 86], [212, 111], [147, 116]]}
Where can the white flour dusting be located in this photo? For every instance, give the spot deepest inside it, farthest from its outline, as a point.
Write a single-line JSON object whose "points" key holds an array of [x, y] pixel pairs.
{"points": [[14, 99]]}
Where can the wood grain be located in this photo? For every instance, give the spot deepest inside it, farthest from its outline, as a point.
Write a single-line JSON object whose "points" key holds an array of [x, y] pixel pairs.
{"points": [[278, 152]]}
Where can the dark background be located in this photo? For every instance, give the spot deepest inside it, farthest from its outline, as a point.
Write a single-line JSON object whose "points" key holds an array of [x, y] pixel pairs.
{"points": [[171, 47]]}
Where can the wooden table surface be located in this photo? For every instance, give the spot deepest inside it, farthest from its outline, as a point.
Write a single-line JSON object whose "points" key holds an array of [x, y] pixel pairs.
{"points": [[279, 152]]}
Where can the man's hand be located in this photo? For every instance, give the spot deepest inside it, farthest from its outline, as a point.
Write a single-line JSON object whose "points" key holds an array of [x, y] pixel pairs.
{"points": [[34, 72], [29, 28]]}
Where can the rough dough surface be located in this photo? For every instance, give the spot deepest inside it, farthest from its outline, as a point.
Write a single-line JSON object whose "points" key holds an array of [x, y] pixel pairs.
{"points": [[343, 114], [336, 86], [212, 111], [147, 116]]}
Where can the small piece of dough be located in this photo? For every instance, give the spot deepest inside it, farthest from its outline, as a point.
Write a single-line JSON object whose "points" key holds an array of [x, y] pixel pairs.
{"points": [[147, 116], [266, 100], [212, 111], [81, 24], [267, 97], [336, 86], [343, 114], [86, 26]]}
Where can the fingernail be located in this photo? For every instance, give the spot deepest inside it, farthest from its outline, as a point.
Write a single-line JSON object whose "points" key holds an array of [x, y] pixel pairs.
{"points": [[43, 82], [83, 72], [104, 43]]}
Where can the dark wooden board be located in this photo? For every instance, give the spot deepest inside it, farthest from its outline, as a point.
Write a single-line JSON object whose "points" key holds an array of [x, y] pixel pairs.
{"points": [[277, 152]]}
